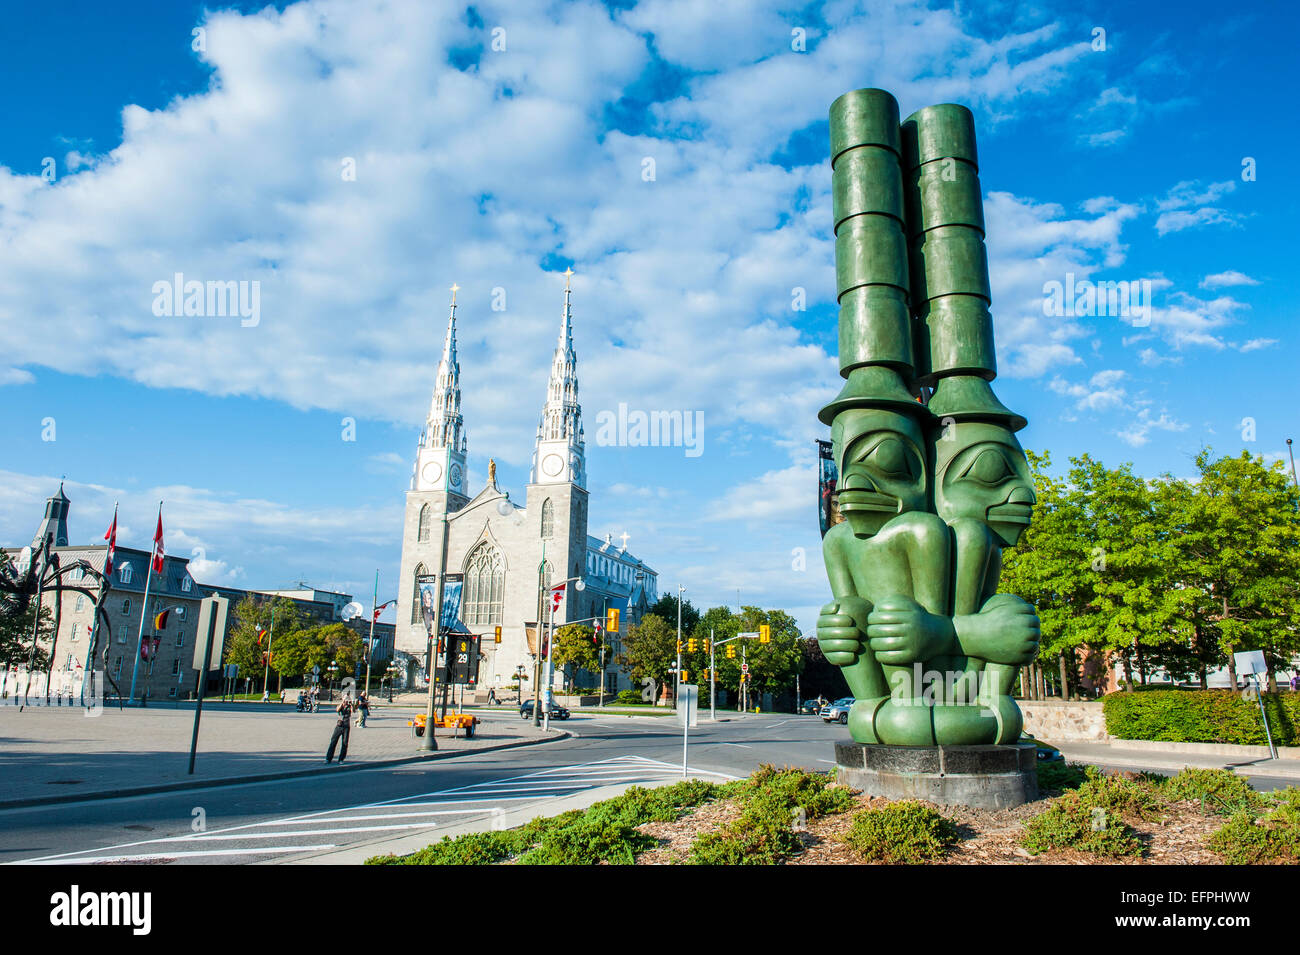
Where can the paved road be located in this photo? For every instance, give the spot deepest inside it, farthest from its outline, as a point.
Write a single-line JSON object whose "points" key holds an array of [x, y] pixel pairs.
{"points": [[291, 819]]}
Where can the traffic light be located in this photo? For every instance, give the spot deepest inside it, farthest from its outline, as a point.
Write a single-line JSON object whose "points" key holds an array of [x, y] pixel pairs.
{"points": [[691, 644], [686, 675], [764, 633], [497, 638], [611, 620], [706, 644], [679, 646], [731, 652], [708, 675]]}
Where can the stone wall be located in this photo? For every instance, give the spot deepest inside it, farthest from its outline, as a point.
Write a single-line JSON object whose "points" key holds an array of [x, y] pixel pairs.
{"points": [[1055, 721]]}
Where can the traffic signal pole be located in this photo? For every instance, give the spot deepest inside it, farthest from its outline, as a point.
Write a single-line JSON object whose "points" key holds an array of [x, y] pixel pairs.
{"points": [[713, 679]]}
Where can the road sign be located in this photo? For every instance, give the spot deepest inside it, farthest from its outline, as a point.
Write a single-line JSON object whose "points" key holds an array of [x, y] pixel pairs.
{"points": [[316, 670], [1251, 661], [744, 668], [688, 704], [749, 635]]}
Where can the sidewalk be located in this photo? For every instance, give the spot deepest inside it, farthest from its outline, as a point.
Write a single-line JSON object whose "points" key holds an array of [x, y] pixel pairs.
{"points": [[60, 755], [1120, 756]]}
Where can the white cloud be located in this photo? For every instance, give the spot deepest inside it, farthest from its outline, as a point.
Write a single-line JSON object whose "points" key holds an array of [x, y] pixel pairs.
{"points": [[1226, 280], [1138, 433]]}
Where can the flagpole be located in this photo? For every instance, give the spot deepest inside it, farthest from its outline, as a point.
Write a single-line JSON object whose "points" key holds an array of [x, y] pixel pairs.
{"points": [[144, 608]]}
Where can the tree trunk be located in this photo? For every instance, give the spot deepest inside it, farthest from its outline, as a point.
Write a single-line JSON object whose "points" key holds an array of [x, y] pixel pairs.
{"points": [[1065, 683], [1205, 679], [1272, 680], [1232, 671], [1128, 674], [1141, 663]]}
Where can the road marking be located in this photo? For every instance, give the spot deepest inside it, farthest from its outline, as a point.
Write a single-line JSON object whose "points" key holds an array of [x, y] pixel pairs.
{"points": [[539, 786]]}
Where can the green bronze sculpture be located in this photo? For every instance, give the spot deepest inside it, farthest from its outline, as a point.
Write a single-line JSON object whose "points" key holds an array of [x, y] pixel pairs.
{"points": [[932, 481]]}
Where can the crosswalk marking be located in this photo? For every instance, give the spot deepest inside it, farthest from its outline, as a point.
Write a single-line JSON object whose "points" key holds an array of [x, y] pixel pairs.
{"points": [[481, 800]]}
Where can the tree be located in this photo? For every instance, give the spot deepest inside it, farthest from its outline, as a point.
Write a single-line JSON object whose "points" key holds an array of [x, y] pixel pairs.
{"points": [[1238, 530], [666, 607], [574, 646], [16, 633], [252, 615], [772, 666], [650, 649]]}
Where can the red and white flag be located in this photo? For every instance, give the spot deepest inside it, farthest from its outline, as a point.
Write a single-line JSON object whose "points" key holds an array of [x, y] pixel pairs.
{"points": [[111, 536], [158, 545], [557, 594]]}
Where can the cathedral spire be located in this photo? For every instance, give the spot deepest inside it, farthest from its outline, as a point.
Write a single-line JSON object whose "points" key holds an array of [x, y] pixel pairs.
{"points": [[559, 456], [445, 426]]}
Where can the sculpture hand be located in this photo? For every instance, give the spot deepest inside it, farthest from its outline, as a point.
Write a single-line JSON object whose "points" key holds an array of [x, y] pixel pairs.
{"points": [[1006, 630], [900, 632], [838, 631]]}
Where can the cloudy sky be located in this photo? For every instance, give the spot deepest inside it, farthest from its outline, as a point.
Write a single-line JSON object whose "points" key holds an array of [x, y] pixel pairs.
{"points": [[356, 158]]}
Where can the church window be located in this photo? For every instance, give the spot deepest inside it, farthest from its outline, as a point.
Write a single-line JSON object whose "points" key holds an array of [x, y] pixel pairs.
{"points": [[125, 573], [548, 519], [426, 520], [415, 592], [81, 601], [544, 574], [187, 584], [126, 607], [74, 631], [484, 586]]}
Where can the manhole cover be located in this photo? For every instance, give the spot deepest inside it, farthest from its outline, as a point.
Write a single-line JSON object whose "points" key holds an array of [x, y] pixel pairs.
{"points": [[65, 782]]}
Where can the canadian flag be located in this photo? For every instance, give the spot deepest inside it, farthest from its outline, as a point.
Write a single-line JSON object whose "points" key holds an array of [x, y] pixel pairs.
{"points": [[557, 595], [111, 536], [158, 545]]}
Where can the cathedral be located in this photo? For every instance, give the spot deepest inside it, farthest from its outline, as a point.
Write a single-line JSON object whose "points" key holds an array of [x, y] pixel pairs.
{"points": [[503, 555]]}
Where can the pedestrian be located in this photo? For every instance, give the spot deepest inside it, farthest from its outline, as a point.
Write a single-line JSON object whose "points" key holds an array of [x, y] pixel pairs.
{"points": [[266, 695], [363, 709], [341, 730], [1295, 682], [492, 697]]}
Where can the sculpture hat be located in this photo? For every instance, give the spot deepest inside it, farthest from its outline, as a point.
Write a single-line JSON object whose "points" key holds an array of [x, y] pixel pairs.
{"points": [[971, 398], [873, 386]]}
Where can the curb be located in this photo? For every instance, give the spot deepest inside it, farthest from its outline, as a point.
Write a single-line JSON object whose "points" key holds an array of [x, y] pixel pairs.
{"points": [[265, 777]]}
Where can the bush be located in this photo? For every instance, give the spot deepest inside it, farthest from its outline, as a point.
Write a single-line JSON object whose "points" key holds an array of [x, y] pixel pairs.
{"points": [[1119, 795], [770, 800], [629, 696], [1217, 790], [604, 832], [903, 832], [1250, 840], [1201, 716], [1070, 823]]}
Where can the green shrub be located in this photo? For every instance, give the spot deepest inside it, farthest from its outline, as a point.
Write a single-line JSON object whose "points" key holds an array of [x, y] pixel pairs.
{"points": [[1059, 775], [1217, 790], [770, 800], [1070, 823], [1201, 716], [902, 832], [629, 696], [1249, 840], [476, 848], [1119, 795], [588, 842]]}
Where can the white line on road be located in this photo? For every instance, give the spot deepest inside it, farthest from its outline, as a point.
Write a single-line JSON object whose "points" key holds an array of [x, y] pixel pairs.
{"points": [[155, 856]]}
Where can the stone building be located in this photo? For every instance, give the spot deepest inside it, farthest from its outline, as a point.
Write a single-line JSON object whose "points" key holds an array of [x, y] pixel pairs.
{"points": [[169, 672], [506, 554]]}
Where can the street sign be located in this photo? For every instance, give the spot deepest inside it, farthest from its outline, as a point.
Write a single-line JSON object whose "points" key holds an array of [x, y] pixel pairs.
{"points": [[212, 623], [316, 670], [749, 635], [744, 668], [1250, 661], [688, 704]]}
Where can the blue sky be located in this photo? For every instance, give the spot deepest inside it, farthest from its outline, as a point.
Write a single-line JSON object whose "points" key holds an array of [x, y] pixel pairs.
{"points": [[496, 169]]}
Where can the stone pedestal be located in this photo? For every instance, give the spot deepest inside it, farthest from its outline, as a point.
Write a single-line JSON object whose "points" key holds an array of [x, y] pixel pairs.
{"points": [[983, 777]]}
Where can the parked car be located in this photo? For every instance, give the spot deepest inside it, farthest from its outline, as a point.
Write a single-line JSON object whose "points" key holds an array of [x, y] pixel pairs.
{"points": [[811, 707], [1046, 752], [837, 712], [557, 711]]}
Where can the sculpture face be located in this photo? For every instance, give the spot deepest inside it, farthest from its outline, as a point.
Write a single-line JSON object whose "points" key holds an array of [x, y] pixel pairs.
{"points": [[882, 467], [981, 474]]}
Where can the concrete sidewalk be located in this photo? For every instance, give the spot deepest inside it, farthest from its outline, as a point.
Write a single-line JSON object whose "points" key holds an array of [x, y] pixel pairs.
{"points": [[58, 754], [1118, 755]]}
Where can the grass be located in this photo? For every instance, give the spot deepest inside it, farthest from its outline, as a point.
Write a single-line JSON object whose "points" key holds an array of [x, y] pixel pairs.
{"points": [[1268, 833], [1219, 791]]}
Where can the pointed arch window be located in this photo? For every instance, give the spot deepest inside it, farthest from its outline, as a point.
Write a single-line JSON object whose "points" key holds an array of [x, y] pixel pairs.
{"points": [[484, 586], [426, 522], [548, 519], [415, 592], [544, 574], [126, 573]]}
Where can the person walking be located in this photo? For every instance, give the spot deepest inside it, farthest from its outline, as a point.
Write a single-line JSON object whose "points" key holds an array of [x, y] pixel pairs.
{"points": [[363, 709], [341, 730]]}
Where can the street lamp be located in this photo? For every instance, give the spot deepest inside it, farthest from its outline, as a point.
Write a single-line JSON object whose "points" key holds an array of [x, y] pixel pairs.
{"points": [[579, 585], [680, 590], [332, 669]]}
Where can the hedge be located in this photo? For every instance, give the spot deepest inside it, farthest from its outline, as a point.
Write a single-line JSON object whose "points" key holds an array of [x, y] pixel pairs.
{"points": [[1201, 716]]}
